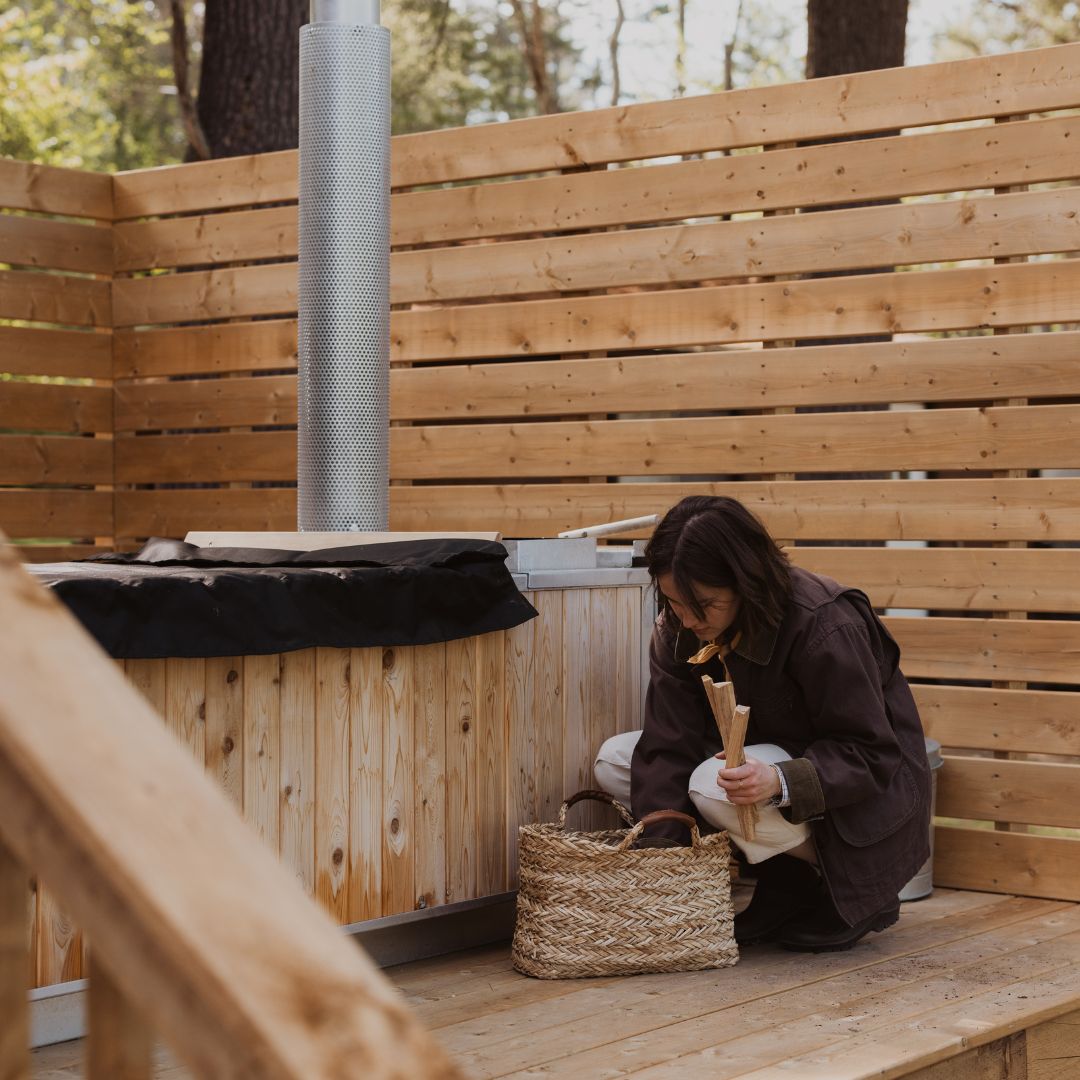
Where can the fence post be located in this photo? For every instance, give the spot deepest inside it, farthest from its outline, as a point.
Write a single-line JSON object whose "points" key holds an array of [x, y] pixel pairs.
{"points": [[120, 1042], [14, 1010]]}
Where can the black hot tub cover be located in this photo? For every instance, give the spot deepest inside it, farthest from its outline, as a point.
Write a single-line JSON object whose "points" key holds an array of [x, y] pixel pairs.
{"points": [[175, 599]]}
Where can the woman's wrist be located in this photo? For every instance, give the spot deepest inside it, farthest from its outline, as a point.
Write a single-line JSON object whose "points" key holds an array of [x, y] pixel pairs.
{"points": [[782, 797]]}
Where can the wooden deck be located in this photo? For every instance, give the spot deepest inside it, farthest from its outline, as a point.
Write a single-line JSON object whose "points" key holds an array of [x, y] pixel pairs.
{"points": [[966, 985]]}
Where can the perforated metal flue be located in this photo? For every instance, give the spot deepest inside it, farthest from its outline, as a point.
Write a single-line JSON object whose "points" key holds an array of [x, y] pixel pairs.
{"points": [[344, 313]]}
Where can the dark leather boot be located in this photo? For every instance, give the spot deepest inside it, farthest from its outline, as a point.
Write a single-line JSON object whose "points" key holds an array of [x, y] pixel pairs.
{"points": [[824, 931], [786, 889]]}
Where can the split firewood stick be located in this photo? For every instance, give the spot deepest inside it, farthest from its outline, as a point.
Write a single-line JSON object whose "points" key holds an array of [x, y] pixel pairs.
{"points": [[722, 702], [731, 719], [725, 696], [748, 815], [737, 732]]}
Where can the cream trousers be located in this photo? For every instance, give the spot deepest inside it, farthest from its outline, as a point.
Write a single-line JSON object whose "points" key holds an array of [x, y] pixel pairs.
{"points": [[774, 832]]}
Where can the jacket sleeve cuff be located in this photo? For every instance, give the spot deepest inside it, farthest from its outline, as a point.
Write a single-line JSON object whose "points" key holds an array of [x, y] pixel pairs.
{"points": [[804, 790]]}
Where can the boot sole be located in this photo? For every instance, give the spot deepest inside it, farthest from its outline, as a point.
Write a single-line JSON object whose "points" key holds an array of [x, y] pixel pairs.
{"points": [[843, 946], [773, 932]]}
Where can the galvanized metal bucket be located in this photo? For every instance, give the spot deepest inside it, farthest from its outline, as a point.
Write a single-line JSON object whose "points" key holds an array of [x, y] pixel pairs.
{"points": [[922, 884]]}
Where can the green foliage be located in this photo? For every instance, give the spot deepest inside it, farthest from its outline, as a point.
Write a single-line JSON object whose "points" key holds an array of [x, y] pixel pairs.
{"points": [[463, 62], [89, 83], [86, 84], [763, 53], [999, 26]]}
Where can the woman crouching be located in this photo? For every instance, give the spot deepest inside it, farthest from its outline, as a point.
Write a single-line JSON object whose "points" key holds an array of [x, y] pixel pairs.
{"points": [[835, 757]]}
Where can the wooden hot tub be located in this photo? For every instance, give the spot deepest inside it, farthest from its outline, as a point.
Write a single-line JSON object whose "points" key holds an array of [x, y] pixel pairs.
{"points": [[392, 779]]}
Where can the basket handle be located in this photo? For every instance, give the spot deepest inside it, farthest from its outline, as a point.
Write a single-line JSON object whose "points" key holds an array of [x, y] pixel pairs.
{"points": [[596, 796], [662, 815]]}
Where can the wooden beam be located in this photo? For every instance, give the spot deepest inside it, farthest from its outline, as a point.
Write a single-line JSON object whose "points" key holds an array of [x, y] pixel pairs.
{"points": [[776, 244], [38, 553], [1022, 792], [905, 233], [15, 1028], [1034, 81], [1036, 650], [930, 301], [981, 718], [1009, 862], [76, 354], [967, 439], [71, 410], [206, 349], [933, 370], [48, 244], [954, 579], [206, 403], [55, 298], [201, 925], [55, 459], [119, 1044], [175, 513], [207, 185], [239, 236], [47, 189], [56, 513], [949, 510], [832, 174], [209, 294], [1053, 1048]]}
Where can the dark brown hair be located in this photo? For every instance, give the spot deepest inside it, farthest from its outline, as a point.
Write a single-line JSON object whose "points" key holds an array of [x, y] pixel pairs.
{"points": [[716, 541]]}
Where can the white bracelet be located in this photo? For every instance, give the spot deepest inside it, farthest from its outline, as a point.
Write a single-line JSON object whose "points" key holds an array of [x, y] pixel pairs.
{"points": [[782, 799]]}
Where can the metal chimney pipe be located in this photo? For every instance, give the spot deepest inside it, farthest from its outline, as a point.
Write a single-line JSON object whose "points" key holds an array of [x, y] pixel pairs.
{"points": [[344, 311]]}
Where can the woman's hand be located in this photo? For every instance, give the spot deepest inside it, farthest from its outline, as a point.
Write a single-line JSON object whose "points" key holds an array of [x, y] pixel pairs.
{"points": [[750, 783]]}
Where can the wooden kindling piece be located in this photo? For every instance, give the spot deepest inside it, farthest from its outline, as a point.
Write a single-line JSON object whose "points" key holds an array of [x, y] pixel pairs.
{"points": [[732, 719]]}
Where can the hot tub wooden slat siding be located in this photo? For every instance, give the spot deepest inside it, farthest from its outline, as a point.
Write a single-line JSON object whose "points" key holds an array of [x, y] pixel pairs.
{"points": [[391, 779]]}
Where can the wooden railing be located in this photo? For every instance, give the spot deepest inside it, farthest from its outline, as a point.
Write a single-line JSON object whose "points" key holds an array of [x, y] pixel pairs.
{"points": [[195, 930]]}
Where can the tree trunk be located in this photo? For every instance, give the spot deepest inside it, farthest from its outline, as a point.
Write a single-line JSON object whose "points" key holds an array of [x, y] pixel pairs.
{"points": [[844, 36], [530, 24], [198, 149], [250, 81], [680, 52], [854, 35], [613, 48]]}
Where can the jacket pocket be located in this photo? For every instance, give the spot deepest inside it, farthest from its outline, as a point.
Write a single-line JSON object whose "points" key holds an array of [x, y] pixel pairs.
{"points": [[868, 822]]}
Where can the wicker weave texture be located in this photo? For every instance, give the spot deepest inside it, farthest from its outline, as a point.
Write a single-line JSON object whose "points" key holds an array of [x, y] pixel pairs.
{"points": [[591, 904]]}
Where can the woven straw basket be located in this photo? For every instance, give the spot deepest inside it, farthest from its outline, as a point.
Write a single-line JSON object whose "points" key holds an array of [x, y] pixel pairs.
{"points": [[589, 903]]}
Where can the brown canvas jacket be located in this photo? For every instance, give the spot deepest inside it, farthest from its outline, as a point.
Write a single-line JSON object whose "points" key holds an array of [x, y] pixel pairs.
{"points": [[827, 687]]}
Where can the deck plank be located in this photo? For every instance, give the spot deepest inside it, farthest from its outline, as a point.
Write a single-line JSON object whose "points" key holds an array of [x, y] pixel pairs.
{"points": [[451, 977], [450, 989], [587, 1006], [886, 1025], [653, 1018], [1053, 1048], [933, 1037], [934, 998]]}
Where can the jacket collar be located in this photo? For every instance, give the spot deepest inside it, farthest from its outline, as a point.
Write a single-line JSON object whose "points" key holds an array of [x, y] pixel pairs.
{"points": [[757, 648]]}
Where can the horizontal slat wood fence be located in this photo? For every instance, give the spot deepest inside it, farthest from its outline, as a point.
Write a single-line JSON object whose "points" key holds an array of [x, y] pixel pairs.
{"points": [[573, 345], [1028, 82], [56, 391]]}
